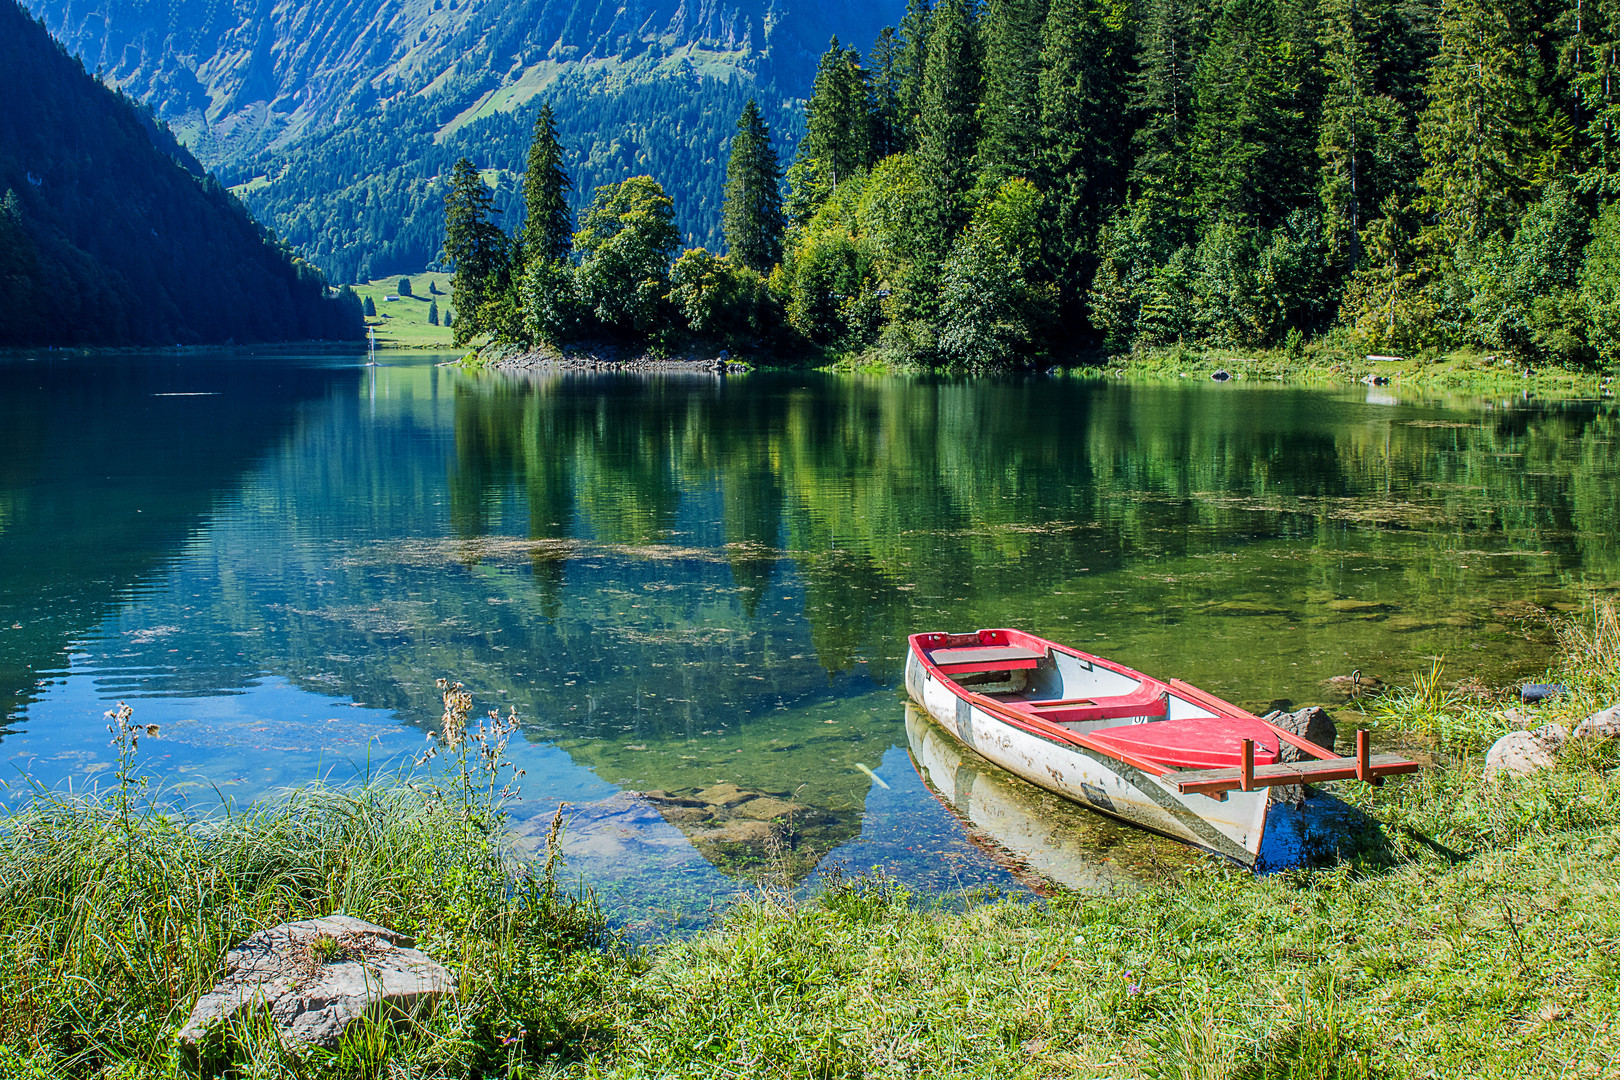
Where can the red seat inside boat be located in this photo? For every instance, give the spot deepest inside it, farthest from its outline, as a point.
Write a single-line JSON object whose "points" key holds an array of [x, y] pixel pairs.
{"points": [[984, 658], [1146, 700], [1202, 742]]}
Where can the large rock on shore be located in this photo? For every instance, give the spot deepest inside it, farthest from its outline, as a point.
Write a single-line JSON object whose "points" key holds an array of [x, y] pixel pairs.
{"points": [[313, 978], [1314, 725], [1525, 753]]}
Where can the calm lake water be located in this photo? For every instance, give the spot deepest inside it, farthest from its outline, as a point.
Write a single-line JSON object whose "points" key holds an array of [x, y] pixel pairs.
{"points": [[702, 587]]}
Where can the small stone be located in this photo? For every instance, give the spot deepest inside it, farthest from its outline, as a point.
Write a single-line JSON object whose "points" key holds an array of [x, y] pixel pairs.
{"points": [[1600, 725], [1524, 753], [316, 976]]}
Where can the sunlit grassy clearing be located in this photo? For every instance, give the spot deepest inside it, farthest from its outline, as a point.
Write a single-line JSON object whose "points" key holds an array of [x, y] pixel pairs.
{"points": [[406, 324]]}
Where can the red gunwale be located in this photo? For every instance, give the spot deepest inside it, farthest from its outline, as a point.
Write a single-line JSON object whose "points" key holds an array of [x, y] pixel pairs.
{"points": [[1229, 724]]}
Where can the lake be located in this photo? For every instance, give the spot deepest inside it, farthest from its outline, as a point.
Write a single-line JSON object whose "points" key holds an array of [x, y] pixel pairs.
{"points": [[701, 586]]}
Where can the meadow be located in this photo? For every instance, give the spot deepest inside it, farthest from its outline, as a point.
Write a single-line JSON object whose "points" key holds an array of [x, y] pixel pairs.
{"points": [[402, 323]]}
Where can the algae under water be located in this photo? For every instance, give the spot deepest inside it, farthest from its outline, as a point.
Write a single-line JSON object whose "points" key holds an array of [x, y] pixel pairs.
{"points": [[696, 591]]}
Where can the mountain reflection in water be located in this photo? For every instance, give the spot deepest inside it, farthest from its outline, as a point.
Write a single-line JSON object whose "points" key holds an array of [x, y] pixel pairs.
{"points": [[696, 591]]}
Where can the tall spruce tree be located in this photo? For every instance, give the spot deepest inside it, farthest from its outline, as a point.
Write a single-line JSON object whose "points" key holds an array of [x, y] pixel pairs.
{"points": [[1367, 141], [752, 214], [1082, 134], [1251, 156], [838, 117], [914, 30], [1160, 95], [1010, 116], [1475, 131], [885, 63], [548, 225], [476, 245], [948, 128]]}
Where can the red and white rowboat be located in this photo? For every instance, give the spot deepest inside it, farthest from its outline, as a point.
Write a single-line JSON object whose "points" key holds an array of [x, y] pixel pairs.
{"points": [[1162, 755]]}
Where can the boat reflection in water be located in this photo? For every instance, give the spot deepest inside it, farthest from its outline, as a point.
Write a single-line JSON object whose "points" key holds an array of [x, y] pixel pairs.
{"points": [[1039, 836], [1044, 838]]}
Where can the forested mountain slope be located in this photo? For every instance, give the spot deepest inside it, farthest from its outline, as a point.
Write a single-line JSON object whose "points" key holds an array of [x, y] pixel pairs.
{"points": [[334, 119], [107, 234]]}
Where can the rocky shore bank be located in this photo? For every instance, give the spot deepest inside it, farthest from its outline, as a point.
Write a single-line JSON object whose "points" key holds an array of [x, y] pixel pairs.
{"points": [[604, 357]]}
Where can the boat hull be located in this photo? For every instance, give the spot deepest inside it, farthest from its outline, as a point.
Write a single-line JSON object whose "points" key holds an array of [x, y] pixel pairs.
{"points": [[1232, 826]]}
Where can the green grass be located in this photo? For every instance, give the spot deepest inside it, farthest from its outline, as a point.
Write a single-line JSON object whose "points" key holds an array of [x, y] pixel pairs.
{"points": [[406, 323], [1471, 932], [1326, 362]]}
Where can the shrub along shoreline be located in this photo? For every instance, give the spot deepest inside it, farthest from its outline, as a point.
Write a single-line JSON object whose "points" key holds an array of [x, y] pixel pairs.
{"points": [[1474, 938]]}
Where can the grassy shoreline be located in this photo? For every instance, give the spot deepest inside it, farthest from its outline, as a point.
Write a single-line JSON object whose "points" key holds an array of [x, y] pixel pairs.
{"points": [[1463, 371], [1476, 938]]}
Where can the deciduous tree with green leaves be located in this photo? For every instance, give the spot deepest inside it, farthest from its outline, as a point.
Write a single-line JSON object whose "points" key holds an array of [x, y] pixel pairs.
{"points": [[626, 240]]}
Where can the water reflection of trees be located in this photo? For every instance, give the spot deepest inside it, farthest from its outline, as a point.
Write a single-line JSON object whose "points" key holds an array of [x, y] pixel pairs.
{"points": [[107, 466], [883, 491]]}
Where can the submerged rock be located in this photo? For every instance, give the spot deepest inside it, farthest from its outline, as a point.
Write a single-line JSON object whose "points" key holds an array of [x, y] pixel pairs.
{"points": [[1525, 753], [1600, 725], [723, 795], [314, 977]]}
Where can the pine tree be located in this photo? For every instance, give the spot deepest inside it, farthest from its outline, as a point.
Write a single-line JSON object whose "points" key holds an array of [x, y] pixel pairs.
{"points": [[1251, 154], [948, 130], [838, 117], [885, 61], [752, 214], [1366, 141], [1010, 117], [404, 286], [1475, 130], [1160, 98], [433, 313], [914, 29], [370, 308], [475, 245], [548, 224], [1082, 135]]}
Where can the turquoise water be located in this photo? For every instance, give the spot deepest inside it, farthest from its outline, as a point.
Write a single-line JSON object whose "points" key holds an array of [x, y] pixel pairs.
{"points": [[684, 582]]}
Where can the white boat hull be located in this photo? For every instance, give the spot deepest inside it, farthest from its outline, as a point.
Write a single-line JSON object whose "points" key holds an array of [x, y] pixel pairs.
{"points": [[1232, 826]]}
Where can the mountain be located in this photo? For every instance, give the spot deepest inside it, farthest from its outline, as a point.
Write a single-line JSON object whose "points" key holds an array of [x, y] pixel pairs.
{"points": [[335, 119], [111, 234]]}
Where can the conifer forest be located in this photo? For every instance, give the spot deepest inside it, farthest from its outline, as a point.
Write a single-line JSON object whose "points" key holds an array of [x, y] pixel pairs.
{"points": [[999, 183]]}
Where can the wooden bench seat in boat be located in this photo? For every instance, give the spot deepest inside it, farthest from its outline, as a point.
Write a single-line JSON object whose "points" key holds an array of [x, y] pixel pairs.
{"points": [[985, 658], [1146, 700]]}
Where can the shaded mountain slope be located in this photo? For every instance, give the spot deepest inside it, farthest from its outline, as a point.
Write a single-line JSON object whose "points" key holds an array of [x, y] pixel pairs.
{"points": [[108, 237]]}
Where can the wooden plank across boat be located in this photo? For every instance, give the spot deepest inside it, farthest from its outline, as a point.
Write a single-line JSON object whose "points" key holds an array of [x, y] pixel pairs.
{"points": [[1166, 756]]}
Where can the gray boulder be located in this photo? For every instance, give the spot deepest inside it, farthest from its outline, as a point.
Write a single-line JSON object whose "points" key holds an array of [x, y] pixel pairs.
{"points": [[312, 978], [1525, 753], [1314, 725], [1600, 725]]}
